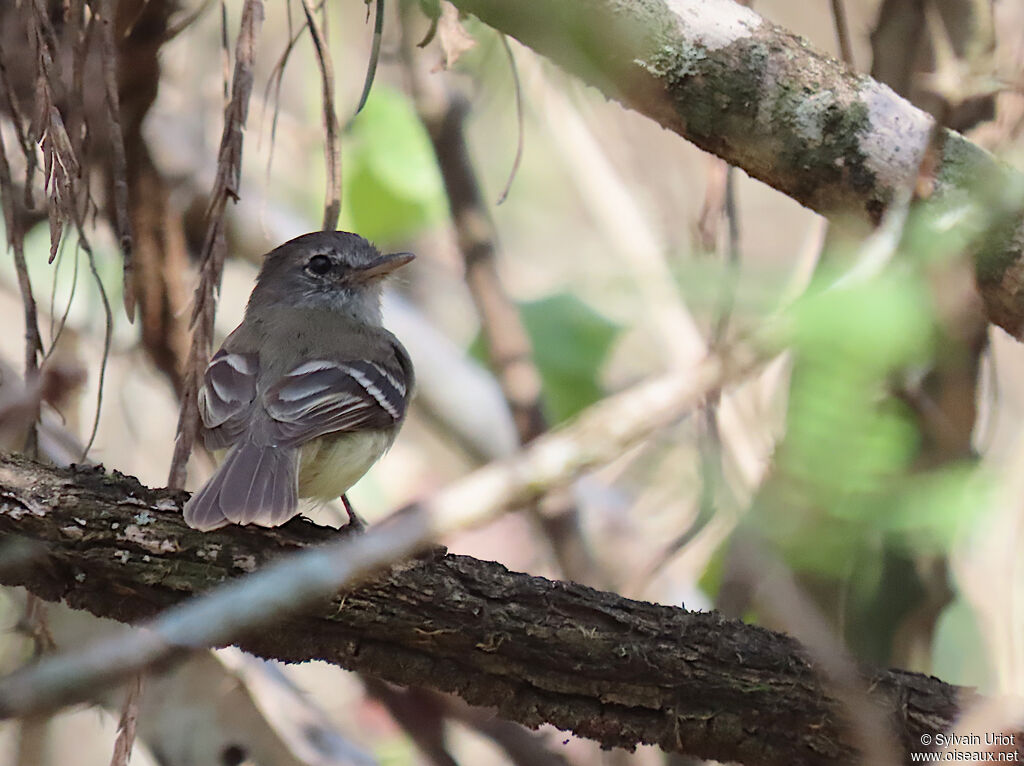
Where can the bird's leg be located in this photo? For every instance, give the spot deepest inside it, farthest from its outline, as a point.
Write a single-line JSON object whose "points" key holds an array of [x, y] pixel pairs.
{"points": [[354, 521]]}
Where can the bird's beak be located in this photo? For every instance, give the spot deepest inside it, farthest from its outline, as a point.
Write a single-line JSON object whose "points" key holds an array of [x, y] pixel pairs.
{"points": [[381, 267]]}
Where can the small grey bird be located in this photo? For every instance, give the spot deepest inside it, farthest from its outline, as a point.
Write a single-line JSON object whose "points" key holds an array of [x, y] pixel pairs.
{"points": [[309, 390]]}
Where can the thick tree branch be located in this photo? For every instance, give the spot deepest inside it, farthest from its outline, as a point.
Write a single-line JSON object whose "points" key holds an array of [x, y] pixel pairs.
{"points": [[764, 100], [294, 586], [609, 668]]}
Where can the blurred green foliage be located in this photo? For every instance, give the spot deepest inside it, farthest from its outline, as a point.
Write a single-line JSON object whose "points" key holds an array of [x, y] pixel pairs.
{"points": [[431, 8], [571, 342], [851, 443], [392, 186], [958, 629], [849, 504]]}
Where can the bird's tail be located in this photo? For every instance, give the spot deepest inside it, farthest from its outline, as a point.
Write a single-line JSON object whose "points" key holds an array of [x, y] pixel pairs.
{"points": [[255, 484]]}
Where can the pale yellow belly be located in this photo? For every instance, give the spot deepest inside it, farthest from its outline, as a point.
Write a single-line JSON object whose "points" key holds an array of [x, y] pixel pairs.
{"points": [[328, 466]]}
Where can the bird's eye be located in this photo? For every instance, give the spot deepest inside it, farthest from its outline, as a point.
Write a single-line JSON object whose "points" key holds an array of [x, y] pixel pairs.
{"points": [[319, 265]]}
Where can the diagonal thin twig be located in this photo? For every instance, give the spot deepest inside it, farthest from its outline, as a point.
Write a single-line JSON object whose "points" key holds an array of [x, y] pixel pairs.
{"points": [[371, 66], [229, 169], [332, 151], [842, 32], [191, 18], [509, 348], [520, 134], [778, 594], [443, 112], [58, 321], [275, 80], [16, 242], [108, 334]]}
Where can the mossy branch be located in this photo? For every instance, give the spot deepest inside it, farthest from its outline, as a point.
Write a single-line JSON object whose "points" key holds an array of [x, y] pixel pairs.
{"points": [[765, 100]]}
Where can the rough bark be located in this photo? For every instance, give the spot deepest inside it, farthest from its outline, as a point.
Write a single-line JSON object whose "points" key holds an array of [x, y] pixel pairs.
{"points": [[619, 671], [765, 100]]}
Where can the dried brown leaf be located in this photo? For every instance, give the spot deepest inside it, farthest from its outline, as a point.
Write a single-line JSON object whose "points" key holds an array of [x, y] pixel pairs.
{"points": [[225, 187], [332, 150], [127, 725], [452, 36]]}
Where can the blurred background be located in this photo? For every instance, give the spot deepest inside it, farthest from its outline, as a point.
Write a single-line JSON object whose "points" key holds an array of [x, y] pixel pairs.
{"points": [[877, 454]]}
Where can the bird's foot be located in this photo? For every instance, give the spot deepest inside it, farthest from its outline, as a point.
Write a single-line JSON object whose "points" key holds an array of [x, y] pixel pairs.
{"points": [[355, 522]]}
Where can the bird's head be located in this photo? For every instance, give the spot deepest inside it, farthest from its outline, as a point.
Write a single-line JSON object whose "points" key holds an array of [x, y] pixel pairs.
{"points": [[331, 270]]}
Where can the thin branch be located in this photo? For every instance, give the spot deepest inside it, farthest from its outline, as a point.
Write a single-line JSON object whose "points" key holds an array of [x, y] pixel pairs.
{"points": [[419, 715], [520, 131], [442, 111], [18, 121], [56, 327], [371, 66], [34, 624], [713, 208], [16, 242], [510, 352], [276, 80], [332, 151], [108, 335], [842, 32], [225, 52], [225, 187], [777, 593], [733, 258], [191, 18], [119, 163]]}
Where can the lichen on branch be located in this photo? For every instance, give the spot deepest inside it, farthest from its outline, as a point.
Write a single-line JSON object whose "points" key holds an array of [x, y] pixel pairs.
{"points": [[766, 101]]}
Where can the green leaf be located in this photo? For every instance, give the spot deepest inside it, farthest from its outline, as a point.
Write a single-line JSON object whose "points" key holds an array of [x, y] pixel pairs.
{"points": [[570, 344], [878, 325], [393, 187], [931, 511], [846, 481]]}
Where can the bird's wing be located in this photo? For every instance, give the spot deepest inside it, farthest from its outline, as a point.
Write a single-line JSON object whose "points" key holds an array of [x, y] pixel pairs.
{"points": [[322, 396], [226, 396]]}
